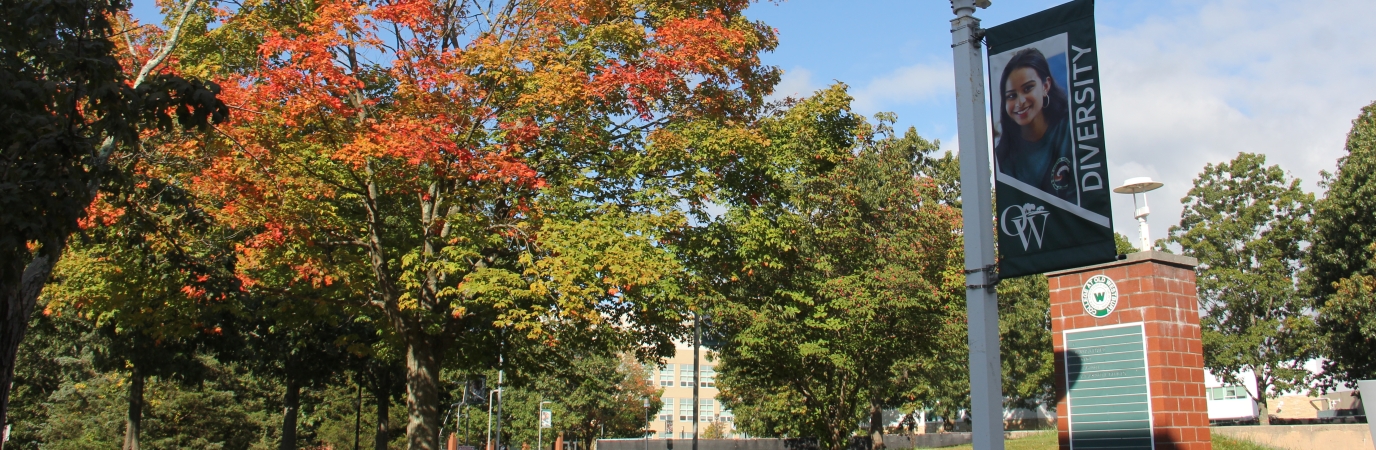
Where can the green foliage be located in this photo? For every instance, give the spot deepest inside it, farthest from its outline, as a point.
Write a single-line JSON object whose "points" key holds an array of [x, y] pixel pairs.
{"points": [[1025, 342], [1123, 245], [1341, 264], [941, 383], [1247, 223], [69, 108], [329, 417], [717, 430], [65, 400], [54, 56], [835, 259], [591, 397]]}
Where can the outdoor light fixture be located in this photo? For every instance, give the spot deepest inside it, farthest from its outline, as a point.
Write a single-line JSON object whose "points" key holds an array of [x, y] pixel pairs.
{"points": [[1134, 186]]}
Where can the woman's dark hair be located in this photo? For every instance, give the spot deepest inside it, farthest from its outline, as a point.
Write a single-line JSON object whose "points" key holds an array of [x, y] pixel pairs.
{"points": [[1056, 108]]}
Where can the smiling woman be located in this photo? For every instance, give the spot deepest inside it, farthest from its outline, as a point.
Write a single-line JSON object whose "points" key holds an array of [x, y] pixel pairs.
{"points": [[1034, 144]]}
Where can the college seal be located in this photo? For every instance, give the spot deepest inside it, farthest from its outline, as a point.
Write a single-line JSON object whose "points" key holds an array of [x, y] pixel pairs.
{"points": [[1099, 296]]}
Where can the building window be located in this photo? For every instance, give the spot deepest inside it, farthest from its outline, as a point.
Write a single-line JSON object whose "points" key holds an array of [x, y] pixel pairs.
{"points": [[667, 411], [685, 409], [1228, 393], [705, 408], [666, 375], [685, 374], [709, 377]]}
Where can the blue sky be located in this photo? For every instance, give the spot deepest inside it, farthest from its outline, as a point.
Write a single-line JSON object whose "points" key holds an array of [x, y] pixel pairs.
{"points": [[1185, 83]]}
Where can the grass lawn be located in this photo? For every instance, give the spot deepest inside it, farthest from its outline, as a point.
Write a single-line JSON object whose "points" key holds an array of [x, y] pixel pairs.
{"points": [[1047, 440]]}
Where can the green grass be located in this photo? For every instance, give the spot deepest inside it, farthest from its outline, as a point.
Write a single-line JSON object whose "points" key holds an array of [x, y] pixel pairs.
{"points": [[1047, 440], [1039, 441], [1224, 443]]}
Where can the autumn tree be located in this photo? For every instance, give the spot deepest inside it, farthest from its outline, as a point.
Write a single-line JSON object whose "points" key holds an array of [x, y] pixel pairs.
{"points": [[479, 170], [1341, 265], [1247, 224], [148, 274], [71, 100]]}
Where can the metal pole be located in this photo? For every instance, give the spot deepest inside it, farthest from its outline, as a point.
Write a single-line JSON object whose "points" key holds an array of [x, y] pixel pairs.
{"points": [[1143, 232], [488, 444], [697, 340], [540, 424], [498, 437], [981, 300], [358, 415]]}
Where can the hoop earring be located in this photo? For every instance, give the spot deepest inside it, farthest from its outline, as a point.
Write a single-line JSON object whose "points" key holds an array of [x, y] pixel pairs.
{"points": [[1046, 100]]}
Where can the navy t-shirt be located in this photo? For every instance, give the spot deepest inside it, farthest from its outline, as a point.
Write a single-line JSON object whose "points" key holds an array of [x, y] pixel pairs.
{"points": [[1046, 164]]}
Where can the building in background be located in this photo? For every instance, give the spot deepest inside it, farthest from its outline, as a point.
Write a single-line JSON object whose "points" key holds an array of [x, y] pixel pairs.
{"points": [[1230, 404], [675, 377]]}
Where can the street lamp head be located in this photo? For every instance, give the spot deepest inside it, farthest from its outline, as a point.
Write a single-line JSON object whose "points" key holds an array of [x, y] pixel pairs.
{"points": [[1137, 185], [1134, 186], [967, 7]]}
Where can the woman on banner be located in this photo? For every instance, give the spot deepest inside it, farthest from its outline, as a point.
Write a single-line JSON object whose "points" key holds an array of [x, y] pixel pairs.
{"points": [[1034, 144]]}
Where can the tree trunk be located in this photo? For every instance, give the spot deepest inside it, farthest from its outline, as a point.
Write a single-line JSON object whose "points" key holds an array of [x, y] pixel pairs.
{"points": [[20, 288], [876, 426], [384, 404], [134, 416], [1263, 416], [422, 393], [291, 404]]}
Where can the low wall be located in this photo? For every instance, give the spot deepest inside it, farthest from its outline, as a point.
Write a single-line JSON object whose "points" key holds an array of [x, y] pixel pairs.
{"points": [[703, 444], [1354, 436], [890, 440], [931, 440]]}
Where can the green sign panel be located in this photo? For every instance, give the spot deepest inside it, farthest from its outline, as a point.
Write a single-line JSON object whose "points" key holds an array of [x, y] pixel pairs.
{"points": [[1050, 169], [1106, 388]]}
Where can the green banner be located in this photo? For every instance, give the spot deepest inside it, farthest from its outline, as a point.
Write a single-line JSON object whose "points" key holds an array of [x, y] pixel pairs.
{"points": [[1051, 180]]}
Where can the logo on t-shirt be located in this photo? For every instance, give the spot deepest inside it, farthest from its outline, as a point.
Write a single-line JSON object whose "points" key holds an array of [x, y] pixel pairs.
{"points": [[1061, 176]]}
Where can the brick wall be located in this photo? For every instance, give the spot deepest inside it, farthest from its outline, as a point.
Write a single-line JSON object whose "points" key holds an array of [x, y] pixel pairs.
{"points": [[1158, 290]]}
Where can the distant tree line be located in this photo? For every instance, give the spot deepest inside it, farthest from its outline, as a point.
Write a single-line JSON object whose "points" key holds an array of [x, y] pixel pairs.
{"points": [[1285, 278]]}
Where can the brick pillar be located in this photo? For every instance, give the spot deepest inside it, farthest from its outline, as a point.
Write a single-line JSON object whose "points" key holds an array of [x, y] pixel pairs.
{"points": [[1156, 292]]}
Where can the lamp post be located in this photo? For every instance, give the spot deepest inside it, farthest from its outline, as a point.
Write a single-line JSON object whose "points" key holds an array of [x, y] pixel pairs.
{"points": [[540, 426], [981, 298], [1134, 186], [647, 423], [496, 392], [697, 341]]}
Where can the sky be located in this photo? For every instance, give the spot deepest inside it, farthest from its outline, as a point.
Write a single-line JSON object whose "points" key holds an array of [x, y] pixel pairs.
{"points": [[1184, 83]]}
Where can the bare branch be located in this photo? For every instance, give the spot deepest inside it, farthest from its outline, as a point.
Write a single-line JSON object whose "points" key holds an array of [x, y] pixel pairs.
{"points": [[167, 45]]}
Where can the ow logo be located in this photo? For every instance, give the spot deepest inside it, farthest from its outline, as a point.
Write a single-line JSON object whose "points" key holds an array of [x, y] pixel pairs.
{"points": [[1029, 223]]}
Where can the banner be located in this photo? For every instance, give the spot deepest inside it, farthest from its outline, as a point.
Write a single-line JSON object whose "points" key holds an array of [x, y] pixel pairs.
{"points": [[546, 418], [1051, 181]]}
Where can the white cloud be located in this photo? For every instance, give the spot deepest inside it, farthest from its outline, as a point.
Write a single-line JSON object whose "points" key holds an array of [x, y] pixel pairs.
{"points": [[796, 83], [1277, 78], [902, 86], [905, 85]]}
